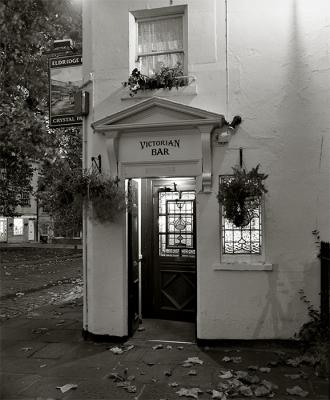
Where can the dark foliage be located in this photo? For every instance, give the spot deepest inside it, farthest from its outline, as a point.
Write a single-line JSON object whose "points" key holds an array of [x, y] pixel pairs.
{"points": [[241, 193]]}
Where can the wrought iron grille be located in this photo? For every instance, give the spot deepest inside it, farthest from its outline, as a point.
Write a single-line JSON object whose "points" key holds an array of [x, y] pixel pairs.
{"points": [[176, 224]]}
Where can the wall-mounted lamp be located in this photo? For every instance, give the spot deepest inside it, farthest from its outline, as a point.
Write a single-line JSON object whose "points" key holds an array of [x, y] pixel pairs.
{"points": [[222, 136], [234, 123]]}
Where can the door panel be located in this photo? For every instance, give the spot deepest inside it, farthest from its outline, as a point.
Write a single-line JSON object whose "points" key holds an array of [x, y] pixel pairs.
{"points": [[174, 256], [133, 259]]}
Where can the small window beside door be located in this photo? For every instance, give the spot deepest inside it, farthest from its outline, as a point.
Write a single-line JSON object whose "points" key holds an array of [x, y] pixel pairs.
{"points": [[239, 242]]}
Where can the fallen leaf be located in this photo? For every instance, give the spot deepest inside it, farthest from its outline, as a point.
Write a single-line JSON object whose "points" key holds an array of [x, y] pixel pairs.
{"points": [[226, 375], [43, 365], [253, 367], [224, 386], [67, 387], [218, 395], [235, 383], [141, 328], [158, 347], [241, 374], [189, 392], [127, 386], [40, 330], [26, 348], [252, 379], [121, 349], [245, 391], [261, 390], [226, 359], [265, 370], [273, 363], [297, 391], [116, 377], [116, 350], [192, 372], [292, 376], [187, 364], [194, 360], [173, 384], [180, 347]]}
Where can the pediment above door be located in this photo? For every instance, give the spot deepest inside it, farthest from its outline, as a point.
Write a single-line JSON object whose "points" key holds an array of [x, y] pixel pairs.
{"points": [[159, 137], [157, 113]]}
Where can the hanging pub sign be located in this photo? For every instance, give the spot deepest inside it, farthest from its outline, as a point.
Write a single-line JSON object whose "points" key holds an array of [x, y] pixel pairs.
{"points": [[65, 79]]}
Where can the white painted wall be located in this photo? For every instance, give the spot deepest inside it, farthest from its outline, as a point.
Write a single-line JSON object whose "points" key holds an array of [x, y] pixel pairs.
{"points": [[276, 70]]}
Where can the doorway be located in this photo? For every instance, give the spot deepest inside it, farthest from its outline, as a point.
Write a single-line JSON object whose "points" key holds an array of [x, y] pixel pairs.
{"points": [[168, 247]]}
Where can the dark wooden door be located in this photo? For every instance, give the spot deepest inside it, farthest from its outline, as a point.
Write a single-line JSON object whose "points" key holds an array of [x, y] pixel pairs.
{"points": [[133, 259], [174, 251]]}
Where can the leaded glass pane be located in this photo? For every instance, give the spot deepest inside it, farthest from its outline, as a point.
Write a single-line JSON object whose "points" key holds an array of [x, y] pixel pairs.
{"points": [[176, 223], [243, 240]]}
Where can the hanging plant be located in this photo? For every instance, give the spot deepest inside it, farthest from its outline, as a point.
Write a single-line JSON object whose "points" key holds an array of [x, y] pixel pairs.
{"points": [[240, 194], [102, 195], [105, 198], [167, 77]]}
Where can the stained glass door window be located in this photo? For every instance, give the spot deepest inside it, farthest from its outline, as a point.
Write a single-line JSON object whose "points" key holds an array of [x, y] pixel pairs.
{"points": [[176, 224]]}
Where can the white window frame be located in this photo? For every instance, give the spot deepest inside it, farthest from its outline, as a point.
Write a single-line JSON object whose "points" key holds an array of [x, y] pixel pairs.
{"points": [[152, 15]]}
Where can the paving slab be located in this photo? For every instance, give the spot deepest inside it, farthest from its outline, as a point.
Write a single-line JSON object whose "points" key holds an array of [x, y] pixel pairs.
{"points": [[13, 384], [60, 356]]}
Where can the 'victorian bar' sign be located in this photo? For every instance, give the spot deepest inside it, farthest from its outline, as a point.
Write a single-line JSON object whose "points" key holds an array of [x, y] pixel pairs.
{"points": [[65, 75], [160, 147]]}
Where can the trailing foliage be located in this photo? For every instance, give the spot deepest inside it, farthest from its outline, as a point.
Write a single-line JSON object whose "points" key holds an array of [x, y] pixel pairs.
{"points": [[315, 336], [167, 77], [28, 28], [72, 188], [241, 193]]}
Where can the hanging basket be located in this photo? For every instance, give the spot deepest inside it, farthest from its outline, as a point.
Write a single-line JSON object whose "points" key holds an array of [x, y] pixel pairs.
{"points": [[240, 194]]}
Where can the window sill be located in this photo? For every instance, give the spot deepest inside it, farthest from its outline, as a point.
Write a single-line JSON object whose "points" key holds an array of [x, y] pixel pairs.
{"points": [[190, 90], [242, 266]]}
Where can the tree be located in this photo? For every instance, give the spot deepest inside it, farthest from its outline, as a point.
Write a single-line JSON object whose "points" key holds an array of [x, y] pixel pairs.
{"points": [[62, 163], [28, 28]]}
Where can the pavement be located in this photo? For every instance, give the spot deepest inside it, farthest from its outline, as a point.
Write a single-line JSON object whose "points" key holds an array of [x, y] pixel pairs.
{"points": [[42, 351]]}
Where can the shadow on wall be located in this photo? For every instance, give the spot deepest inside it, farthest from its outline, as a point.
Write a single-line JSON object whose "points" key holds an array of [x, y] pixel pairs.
{"points": [[294, 312]]}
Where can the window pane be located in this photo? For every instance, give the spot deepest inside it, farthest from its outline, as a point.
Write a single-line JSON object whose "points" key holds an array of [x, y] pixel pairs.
{"points": [[150, 65], [160, 35], [18, 226], [176, 224], [244, 240]]}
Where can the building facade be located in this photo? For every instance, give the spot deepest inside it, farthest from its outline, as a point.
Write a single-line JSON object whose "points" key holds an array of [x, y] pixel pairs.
{"points": [[22, 228], [175, 255]]}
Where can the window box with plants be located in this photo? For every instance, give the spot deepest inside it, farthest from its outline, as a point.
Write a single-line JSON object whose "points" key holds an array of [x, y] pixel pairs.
{"points": [[166, 78]]}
